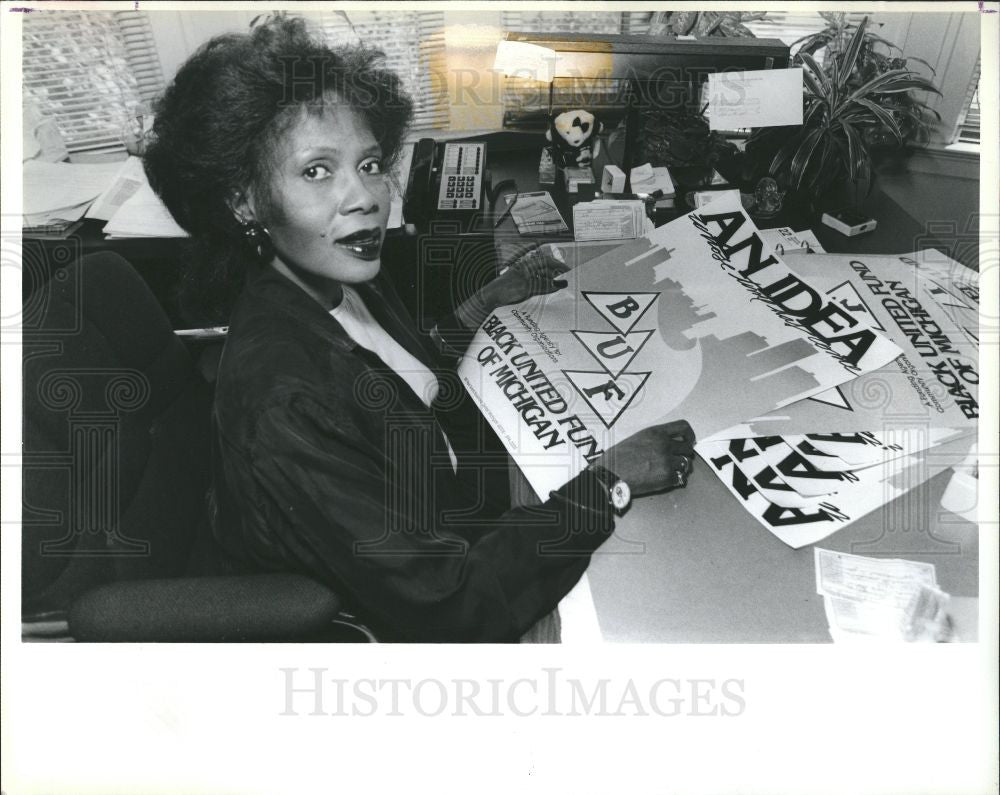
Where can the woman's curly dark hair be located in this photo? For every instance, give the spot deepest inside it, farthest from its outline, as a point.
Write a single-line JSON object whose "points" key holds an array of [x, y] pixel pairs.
{"points": [[217, 127]]}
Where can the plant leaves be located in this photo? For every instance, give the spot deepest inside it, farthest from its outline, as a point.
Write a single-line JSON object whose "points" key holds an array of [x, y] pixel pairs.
{"points": [[885, 82], [784, 154], [919, 60], [900, 85], [857, 153], [880, 40], [815, 77], [883, 116], [816, 107], [800, 162], [851, 56]]}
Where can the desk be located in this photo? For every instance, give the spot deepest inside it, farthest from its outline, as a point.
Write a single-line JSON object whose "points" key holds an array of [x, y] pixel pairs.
{"points": [[692, 566], [708, 573], [516, 158]]}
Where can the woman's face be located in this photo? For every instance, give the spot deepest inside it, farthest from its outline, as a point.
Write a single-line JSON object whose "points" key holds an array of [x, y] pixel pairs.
{"points": [[329, 203]]}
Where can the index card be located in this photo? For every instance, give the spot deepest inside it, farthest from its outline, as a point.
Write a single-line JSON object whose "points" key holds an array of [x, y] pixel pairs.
{"points": [[761, 98]]}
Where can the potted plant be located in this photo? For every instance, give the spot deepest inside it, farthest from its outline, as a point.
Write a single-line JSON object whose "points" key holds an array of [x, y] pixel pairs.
{"points": [[681, 139], [703, 24], [859, 100]]}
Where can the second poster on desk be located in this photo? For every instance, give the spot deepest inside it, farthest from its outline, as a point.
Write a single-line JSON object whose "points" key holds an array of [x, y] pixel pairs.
{"points": [[699, 320]]}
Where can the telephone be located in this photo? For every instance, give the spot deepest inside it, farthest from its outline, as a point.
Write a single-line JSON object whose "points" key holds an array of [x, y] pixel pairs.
{"points": [[446, 181]]}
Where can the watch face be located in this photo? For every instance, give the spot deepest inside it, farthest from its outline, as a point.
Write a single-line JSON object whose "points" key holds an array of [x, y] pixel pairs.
{"points": [[621, 495]]}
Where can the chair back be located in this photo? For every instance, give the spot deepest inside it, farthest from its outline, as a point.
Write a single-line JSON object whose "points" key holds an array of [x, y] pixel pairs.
{"points": [[116, 432]]}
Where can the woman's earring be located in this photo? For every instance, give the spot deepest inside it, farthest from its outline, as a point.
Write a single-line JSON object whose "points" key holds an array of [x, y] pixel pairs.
{"points": [[256, 237]]}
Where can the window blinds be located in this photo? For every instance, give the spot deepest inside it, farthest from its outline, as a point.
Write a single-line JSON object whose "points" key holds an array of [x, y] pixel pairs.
{"points": [[413, 43], [968, 126], [562, 21], [89, 70], [789, 27]]}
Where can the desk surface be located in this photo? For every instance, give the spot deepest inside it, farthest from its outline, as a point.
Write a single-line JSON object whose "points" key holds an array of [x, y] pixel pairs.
{"points": [[692, 566]]}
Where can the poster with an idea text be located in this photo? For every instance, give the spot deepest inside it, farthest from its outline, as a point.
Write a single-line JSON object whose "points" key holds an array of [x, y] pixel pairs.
{"points": [[699, 320]]}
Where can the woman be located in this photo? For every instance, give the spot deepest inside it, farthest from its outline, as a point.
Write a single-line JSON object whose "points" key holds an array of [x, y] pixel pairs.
{"points": [[335, 438]]}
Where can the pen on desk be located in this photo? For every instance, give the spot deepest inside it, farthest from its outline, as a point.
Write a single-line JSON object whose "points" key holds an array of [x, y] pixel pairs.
{"points": [[211, 331], [656, 194]]}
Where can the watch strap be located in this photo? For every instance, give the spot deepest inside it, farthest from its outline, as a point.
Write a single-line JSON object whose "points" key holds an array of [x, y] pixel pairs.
{"points": [[607, 478]]}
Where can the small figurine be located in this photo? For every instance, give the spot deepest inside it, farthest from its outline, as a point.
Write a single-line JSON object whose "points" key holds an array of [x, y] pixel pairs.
{"points": [[574, 137], [767, 198], [546, 167]]}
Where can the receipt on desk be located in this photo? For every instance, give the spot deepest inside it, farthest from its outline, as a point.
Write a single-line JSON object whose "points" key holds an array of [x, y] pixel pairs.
{"points": [[872, 598], [839, 573], [608, 220]]}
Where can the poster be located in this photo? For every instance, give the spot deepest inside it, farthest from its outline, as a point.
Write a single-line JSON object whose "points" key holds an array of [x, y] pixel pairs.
{"points": [[929, 305], [802, 493], [698, 320]]}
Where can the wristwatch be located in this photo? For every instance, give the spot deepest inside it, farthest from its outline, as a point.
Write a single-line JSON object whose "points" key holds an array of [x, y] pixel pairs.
{"points": [[619, 494]]}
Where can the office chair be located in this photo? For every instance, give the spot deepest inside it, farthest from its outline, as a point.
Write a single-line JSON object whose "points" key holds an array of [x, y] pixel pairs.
{"points": [[116, 468]]}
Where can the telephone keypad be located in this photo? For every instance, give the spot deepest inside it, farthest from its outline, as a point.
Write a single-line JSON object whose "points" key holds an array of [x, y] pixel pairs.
{"points": [[461, 176]]}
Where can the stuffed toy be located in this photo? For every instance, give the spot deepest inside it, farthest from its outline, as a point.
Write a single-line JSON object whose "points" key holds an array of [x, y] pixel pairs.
{"points": [[574, 137]]}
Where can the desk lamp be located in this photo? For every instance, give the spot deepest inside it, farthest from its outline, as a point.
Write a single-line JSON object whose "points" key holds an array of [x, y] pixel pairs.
{"points": [[534, 62]]}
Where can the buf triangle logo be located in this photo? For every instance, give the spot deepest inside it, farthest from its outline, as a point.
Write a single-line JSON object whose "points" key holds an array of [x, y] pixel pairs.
{"points": [[613, 351], [608, 397], [621, 310], [833, 397]]}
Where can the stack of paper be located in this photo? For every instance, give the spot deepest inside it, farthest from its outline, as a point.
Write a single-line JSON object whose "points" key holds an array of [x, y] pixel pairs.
{"points": [[143, 215], [815, 465], [58, 194], [876, 599], [609, 220], [663, 327]]}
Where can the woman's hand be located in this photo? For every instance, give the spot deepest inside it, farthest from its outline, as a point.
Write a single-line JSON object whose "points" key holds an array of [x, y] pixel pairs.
{"points": [[654, 459], [533, 273]]}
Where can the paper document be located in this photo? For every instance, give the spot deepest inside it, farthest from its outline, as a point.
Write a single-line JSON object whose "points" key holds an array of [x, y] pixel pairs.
{"points": [[875, 598], [758, 98], [127, 181], [55, 186], [608, 220], [649, 179], [61, 217], [705, 197], [143, 215], [535, 213]]}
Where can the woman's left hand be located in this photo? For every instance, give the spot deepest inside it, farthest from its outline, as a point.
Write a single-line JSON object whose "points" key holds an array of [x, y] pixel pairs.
{"points": [[534, 273]]}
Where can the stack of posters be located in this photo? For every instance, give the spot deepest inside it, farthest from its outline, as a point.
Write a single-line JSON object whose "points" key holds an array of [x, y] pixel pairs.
{"points": [[822, 386], [926, 400]]}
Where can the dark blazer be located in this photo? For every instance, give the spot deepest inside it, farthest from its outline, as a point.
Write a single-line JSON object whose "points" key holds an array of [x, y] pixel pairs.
{"points": [[327, 463]]}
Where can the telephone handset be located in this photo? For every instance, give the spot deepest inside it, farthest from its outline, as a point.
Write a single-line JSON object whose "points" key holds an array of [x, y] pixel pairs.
{"points": [[445, 181]]}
